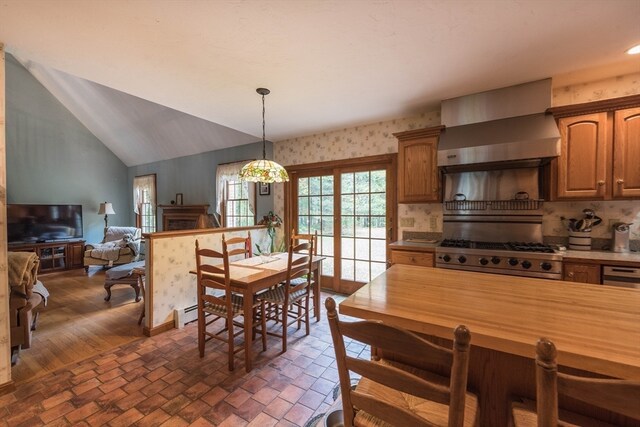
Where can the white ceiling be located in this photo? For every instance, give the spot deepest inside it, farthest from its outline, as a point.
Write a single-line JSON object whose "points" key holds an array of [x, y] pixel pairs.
{"points": [[329, 64]]}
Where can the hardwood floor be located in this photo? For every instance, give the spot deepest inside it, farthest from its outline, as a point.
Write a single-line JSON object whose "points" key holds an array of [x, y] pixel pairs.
{"points": [[77, 323]]}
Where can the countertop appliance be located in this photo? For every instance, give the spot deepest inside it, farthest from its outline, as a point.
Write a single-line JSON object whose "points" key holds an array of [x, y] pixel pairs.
{"points": [[620, 237]]}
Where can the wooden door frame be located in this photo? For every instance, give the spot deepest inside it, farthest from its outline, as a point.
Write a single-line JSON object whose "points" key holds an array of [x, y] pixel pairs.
{"points": [[335, 168]]}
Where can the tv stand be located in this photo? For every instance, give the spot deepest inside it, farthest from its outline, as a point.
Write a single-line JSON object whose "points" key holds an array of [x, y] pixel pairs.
{"points": [[54, 256]]}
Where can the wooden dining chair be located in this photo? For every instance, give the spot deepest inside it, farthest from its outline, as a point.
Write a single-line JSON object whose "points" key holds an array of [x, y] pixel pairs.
{"points": [[291, 301], [390, 393], [618, 396], [301, 238], [213, 277], [240, 246]]}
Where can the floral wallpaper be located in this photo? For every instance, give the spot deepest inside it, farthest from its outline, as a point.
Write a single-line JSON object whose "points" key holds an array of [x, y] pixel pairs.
{"points": [[377, 138], [173, 257], [613, 87], [359, 141]]}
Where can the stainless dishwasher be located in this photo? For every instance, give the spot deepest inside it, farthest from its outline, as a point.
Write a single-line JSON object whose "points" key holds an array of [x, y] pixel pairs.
{"points": [[626, 277]]}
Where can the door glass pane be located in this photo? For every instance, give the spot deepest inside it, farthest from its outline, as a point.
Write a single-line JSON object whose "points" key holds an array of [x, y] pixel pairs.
{"points": [[363, 216], [315, 213]]}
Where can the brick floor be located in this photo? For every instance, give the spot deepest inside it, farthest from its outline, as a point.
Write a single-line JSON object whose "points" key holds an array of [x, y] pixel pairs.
{"points": [[163, 381]]}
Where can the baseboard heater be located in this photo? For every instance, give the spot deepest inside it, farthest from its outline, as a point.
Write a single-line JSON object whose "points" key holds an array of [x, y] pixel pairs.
{"points": [[182, 316]]}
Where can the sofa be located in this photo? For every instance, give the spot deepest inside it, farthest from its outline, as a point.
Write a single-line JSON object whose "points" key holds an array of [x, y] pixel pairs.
{"points": [[121, 245], [26, 295]]}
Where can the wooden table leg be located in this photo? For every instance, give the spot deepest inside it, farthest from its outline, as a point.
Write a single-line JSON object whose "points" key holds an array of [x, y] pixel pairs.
{"points": [[248, 320], [316, 291]]}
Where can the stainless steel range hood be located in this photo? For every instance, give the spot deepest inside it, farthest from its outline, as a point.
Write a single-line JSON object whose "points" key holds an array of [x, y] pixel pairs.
{"points": [[501, 128]]}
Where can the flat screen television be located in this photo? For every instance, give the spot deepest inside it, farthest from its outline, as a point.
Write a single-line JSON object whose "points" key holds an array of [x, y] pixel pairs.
{"points": [[43, 223]]}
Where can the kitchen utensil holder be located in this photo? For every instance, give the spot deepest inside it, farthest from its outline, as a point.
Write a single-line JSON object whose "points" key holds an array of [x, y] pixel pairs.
{"points": [[580, 240]]}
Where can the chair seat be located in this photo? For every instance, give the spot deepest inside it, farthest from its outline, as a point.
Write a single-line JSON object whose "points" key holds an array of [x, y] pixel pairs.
{"points": [[432, 412], [276, 295], [524, 415], [297, 281], [221, 310]]}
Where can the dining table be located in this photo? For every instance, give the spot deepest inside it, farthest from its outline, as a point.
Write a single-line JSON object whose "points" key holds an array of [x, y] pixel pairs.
{"points": [[249, 276], [596, 328]]}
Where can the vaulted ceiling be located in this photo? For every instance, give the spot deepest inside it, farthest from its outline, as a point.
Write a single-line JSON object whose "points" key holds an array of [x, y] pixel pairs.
{"points": [[192, 67]]}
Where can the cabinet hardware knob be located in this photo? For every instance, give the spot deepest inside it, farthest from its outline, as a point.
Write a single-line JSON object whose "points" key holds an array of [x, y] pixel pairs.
{"points": [[620, 181], [601, 183], [413, 259], [570, 274]]}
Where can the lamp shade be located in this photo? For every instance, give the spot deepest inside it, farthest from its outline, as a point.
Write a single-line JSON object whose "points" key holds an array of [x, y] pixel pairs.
{"points": [[106, 208], [263, 171]]}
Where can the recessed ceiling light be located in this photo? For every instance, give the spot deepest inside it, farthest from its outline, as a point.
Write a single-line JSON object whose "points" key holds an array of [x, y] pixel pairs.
{"points": [[634, 50]]}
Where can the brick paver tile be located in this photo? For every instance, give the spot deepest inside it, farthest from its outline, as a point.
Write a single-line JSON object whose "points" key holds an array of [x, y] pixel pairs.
{"points": [[254, 384], [263, 420], [174, 405], [111, 374], [86, 386], [82, 412], [194, 410], [86, 397], [291, 393], [249, 409], [57, 399], [196, 390], [126, 419], [233, 421], [104, 416], [151, 404], [154, 388], [299, 414], [155, 418], [129, 401], [265, 395], [201, 422], [113, 384], [278, 408], [214, 396], [237, 397], [56, 412], [311, 399]]}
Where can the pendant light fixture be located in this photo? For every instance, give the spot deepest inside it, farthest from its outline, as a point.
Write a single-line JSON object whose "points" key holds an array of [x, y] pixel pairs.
{"points": [[264, 170]]}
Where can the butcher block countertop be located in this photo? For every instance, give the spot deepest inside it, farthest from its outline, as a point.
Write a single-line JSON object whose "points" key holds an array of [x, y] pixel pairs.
{"points": [[631, 259], [595, 327], [418, 245]]}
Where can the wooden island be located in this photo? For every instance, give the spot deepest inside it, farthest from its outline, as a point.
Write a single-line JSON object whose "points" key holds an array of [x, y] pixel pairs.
{"points": [[596, 328]]}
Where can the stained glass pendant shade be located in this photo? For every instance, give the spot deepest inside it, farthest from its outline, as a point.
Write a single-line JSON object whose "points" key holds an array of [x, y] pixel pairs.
{"points": [[264, 170]]}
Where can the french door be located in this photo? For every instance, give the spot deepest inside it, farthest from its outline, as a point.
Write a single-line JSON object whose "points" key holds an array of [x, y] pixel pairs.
{"points": [[351, 205]]}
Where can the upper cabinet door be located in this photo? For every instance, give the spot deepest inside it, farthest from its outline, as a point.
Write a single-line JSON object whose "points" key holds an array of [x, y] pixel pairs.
{"points": [[418, 171], [583, 165], [418, 176], [626, 153]]}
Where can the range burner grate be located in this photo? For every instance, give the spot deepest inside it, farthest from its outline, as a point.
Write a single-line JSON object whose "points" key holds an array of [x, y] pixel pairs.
{"points": [[508, 246]]}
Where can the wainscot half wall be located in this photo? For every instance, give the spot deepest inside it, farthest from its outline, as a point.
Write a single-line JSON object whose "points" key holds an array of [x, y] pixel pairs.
{"points": [[170, 257]]}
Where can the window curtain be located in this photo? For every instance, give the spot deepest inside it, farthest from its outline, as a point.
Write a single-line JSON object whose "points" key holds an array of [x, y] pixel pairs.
{"points": [[231, 172], [140, 184]]}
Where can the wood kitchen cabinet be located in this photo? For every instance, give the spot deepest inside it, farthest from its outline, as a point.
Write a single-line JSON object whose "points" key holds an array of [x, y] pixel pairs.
{"points": [[600, 147], [424, 259], [581, 273], [626, 153], [418, 177]]}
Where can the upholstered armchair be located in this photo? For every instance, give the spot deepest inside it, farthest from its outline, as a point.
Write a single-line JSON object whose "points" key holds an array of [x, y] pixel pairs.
{"points": [[121, 245]]}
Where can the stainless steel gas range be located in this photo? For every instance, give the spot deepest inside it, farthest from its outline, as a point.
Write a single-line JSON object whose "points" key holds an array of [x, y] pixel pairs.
{"points": [[500, 230], [514, 258]]}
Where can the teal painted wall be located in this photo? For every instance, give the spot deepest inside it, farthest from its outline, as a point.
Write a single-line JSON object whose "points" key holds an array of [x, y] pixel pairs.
{"points": [[52, 158], [195, 176]]}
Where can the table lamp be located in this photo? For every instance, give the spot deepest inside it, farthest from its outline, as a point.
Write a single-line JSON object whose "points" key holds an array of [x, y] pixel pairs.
{"points": [[106, 208]]}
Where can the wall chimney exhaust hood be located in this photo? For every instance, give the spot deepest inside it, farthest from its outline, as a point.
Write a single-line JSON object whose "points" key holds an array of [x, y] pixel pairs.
{"points": [[502, 128]]}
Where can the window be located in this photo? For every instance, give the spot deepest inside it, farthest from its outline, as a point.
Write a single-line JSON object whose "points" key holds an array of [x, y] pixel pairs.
{"points": [[236, 200], [144, 202], [237, 212]]}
